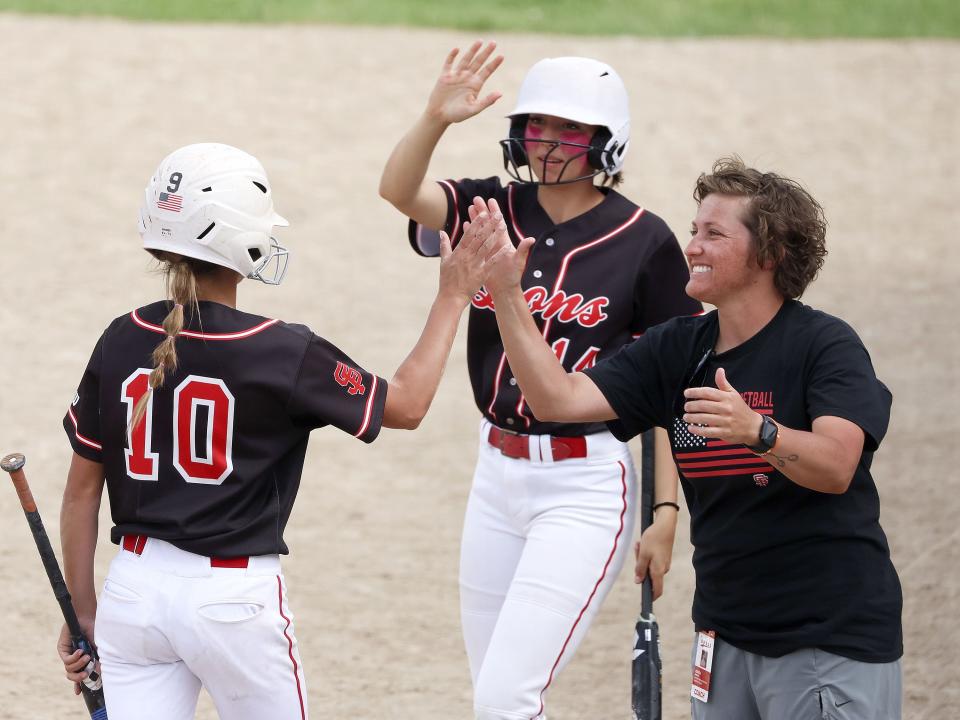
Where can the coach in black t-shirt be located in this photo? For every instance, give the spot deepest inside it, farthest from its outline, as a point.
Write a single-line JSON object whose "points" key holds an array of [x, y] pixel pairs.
{"points": [[774, 413]]}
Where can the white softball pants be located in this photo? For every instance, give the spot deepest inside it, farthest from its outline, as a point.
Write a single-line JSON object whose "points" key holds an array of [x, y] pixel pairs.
{"points": [[542, 545], [168, 623]]}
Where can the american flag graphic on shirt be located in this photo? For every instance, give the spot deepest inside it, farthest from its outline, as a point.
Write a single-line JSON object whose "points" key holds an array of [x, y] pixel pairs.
{"points": [[700, 457], [169, 201]]}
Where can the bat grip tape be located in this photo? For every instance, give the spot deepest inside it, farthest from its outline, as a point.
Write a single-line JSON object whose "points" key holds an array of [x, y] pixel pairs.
{"points": [[54, 575]]}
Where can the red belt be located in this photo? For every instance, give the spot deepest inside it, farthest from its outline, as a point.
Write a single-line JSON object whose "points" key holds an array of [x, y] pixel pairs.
{"points": [[136, 544], [515, 445]]}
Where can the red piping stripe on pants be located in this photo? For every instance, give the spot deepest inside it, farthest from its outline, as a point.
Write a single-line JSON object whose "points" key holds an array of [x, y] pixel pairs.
{"points": [[616, 541], [296, 674]]}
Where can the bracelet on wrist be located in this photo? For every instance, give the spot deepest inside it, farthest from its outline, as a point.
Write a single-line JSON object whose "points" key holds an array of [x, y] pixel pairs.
{"points": [[669, 503]]}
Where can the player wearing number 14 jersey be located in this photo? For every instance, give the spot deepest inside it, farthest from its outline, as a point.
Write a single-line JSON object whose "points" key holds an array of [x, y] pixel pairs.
{"points": [[196, 417], [551, 509]]}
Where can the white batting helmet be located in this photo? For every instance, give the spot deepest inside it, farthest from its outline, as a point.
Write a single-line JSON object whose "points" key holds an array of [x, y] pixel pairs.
{"points": [[574, 88], [212, 202]]}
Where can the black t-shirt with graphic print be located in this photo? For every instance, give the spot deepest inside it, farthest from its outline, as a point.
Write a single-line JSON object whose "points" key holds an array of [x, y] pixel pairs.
{"points": [[593, 284], [215, 465], [778, 567]]}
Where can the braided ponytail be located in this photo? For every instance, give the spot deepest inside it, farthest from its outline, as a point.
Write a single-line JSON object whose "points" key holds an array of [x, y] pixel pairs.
{"points": [[181, 283]]}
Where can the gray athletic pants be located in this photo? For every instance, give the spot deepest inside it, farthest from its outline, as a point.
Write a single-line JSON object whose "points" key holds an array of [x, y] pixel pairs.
{"points": [[808, 684]]}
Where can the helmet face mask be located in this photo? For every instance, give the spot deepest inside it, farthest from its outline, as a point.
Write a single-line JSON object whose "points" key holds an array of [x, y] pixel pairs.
{"points": [[581, 90], [515, 146], [213, 202], [272, 268]]}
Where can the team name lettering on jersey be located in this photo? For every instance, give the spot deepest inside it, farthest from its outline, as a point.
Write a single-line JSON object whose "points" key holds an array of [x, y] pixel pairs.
{"points": [[348, 376], [566, 308]]}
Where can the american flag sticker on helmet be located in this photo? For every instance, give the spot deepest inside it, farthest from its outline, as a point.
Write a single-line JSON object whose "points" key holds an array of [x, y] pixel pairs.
{"points": [[171, 202]]}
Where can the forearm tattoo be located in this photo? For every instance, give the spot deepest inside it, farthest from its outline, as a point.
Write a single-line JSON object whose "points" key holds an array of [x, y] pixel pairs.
{"points": [[782, 460]]}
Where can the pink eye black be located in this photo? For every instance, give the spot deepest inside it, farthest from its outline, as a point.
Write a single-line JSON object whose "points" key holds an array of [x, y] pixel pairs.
{"points": [[575, 136]]}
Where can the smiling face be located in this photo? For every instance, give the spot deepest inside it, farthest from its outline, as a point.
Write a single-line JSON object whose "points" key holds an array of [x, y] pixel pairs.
{"points": [[722, 254], [557, 147]]}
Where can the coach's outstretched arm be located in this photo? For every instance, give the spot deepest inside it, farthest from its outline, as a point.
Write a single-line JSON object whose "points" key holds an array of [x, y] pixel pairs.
{"points": [[553, 394], [455, 97], [413, 386]]}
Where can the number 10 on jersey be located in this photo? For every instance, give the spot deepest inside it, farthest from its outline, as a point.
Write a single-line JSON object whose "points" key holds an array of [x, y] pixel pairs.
{"points": [[199, 403]]}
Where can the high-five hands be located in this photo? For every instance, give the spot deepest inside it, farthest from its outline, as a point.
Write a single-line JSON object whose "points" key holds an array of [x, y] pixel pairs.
{"points": [[462, 270], [503, 263], [456, 95], [721, 413]]}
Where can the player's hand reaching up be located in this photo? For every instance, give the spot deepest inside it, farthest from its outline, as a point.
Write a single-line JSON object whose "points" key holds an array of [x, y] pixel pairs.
{"points": [[462, 270], [503, 263], [456, 96], [413, 386]]}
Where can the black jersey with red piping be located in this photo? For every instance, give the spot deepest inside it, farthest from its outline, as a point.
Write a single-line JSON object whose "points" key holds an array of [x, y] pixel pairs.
{"points": [[215, 464], [593, 283]]}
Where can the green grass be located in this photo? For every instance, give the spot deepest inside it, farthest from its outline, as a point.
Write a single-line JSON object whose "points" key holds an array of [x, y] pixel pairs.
{"points": [[649, 18]]}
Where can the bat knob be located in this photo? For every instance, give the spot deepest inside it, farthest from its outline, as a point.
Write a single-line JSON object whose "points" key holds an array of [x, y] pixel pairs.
{"points": [[13, 462]]}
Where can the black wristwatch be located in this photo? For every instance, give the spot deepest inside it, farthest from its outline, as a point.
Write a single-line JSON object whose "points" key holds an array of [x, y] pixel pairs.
{"points": [[768, 436]]}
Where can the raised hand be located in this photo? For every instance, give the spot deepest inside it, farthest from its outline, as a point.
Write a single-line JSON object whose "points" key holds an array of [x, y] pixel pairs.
{"points": [[503, 264], [456, 96], [462, 269]]}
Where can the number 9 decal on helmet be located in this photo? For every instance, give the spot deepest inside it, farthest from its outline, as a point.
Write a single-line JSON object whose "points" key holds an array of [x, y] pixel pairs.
{"points": [[213, 202], [577, 89]]}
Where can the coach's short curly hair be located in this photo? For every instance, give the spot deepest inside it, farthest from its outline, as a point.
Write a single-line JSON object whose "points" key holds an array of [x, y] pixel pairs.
{"points": [[787, 225]]}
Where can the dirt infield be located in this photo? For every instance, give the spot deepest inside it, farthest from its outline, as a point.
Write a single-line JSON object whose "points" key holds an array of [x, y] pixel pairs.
{"points": [[89, 107]]}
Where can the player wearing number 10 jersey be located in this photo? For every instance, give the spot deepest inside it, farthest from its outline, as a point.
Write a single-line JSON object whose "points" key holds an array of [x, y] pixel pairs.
{"points": [[229, 431], [196, 416]]}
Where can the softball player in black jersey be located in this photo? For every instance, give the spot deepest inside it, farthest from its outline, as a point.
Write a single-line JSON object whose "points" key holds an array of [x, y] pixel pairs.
{"points": [[197, 416], [551, 510]]}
